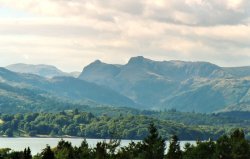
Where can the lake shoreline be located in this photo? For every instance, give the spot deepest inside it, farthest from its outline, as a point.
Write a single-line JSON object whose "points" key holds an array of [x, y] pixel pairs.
{"points": [[38, 144], [64, 137]]}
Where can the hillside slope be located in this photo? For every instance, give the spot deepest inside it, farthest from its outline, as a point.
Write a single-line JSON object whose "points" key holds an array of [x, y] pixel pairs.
{"points": [[21, 90], [185, 86]]}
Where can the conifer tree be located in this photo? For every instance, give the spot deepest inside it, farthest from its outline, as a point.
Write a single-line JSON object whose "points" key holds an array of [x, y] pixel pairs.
{"points": [[47, 153], [240, 146], [223, 148], [153, 144], [174, 151], [64, 150], [84, 151], [101, 150], [27, 153]]}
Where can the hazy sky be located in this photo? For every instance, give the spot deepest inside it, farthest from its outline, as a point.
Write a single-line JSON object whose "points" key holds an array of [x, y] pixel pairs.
{"points": [[72, 33]]}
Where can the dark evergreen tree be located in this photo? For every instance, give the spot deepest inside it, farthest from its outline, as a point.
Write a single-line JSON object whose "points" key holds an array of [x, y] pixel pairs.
{"points": [[204, 150], [101, 151], [112, 146], [47, 153], [240, 146], [132, 151], [237, 134], [188, 152], [15, 155], [174, 151], [27, 153], [64, 150], [223, 148], [153, 144], [84, 151]]}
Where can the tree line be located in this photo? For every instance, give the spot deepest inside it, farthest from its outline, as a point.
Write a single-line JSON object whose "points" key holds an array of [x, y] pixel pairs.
{"points": [[232, 146], [88, 125]]}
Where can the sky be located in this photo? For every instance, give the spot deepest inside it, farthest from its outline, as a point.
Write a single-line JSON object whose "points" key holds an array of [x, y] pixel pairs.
{"points": [[70, 34]]}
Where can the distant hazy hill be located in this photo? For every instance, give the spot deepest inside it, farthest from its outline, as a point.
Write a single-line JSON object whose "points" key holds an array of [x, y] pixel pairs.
{"points": [[185, 86], [141, 83], [41, 70], [18, 91], [74, 74]]}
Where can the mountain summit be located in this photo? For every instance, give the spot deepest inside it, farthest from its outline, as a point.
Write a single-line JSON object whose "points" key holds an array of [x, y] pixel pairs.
{"points": [[185, 86], [141, 83]]}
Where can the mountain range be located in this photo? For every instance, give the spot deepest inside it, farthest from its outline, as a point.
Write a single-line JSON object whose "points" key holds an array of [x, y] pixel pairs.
{"points": [[185, 86], [32, 92], [141, 83], [47, 71]]}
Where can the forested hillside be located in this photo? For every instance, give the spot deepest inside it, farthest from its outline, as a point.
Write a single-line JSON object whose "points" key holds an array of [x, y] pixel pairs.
{"points": [[27, 92], [124, 126]]}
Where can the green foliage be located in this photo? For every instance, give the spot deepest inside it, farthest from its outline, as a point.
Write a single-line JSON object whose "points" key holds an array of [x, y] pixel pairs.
{"points": [[84, 151], [82, 124], [4, 152], [174, 151], [27, 153], [9, 132], [101, 150], [223, 148], [64, 150], [153, 144], [233, 146], [129, 123], [47, 153], [204, 150], [241, 147]]}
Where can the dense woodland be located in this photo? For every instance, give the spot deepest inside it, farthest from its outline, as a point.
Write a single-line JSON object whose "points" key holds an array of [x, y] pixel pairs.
{"points": [[188, 126], [83, 124], [153, 146]]}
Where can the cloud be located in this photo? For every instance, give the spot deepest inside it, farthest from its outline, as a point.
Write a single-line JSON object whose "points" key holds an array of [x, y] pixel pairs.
{"points": [[200, 12], [80, 31], [187, 12]]}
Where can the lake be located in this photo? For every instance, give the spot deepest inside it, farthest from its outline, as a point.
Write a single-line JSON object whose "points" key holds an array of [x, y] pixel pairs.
{"points": [[37, 144]]}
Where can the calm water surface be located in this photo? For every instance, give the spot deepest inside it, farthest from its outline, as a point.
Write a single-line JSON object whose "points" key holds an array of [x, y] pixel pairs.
{"points": [[37, 144]]}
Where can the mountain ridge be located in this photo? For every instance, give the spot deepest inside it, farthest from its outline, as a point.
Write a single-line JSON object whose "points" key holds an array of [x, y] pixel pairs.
{"points": [[61, 88], [171, 84], [143, 83]]}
